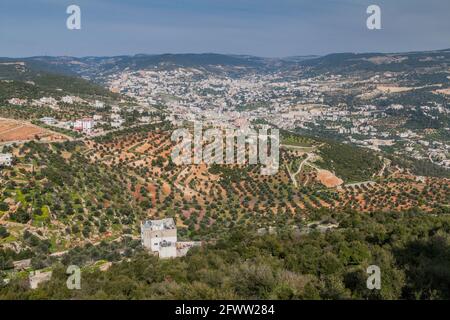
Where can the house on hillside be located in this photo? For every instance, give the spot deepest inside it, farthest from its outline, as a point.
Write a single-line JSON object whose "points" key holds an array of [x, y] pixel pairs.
{"points": [[116, 120], [6, 159], [99, 104], [50, 121], [17, 101], [72, 99], [160, 237]]}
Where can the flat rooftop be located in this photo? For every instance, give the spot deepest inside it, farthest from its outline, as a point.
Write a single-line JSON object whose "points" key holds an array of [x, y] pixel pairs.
{"points": [[163, 224]]}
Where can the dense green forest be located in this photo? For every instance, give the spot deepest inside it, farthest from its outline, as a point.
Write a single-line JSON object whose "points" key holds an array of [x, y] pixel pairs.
{"points": [[411, 249], [349, 162]]}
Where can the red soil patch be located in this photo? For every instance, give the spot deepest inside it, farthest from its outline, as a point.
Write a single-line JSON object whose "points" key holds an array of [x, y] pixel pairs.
{"points": [[328, 179], [166, 189], [13, 130]]}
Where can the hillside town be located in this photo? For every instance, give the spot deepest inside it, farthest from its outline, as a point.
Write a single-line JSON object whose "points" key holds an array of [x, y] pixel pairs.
{"points": [[293, 103]]}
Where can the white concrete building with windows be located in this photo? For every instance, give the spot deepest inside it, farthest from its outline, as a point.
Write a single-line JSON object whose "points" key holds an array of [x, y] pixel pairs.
{"points": [[160, 237], [86, 125]]}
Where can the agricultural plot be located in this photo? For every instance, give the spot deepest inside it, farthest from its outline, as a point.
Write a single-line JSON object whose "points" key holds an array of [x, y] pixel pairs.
{"points": [[18, 131], [85, 192]]}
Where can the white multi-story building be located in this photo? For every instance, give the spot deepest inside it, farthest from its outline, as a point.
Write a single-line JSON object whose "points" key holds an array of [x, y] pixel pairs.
{"points": [[6, 159], [99, 104], [160, 236], [86, 125]]}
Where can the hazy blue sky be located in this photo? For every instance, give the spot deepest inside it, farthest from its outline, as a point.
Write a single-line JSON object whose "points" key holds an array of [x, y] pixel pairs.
{"points": [[259, 27]]}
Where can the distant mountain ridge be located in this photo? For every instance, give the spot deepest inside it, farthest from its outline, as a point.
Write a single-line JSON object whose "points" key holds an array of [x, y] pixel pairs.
{"points": [[378, 62], [95, 68], [91, 67], [28, 79]]}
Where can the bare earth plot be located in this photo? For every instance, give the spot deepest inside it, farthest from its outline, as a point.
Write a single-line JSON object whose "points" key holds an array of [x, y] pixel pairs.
{"points": [[443, 91], [328, 179], [393, 89], [17, 131]]}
